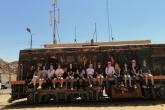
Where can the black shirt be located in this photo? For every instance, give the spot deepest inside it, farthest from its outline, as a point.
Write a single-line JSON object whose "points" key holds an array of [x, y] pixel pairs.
{"points": [[136, 70], [99, 71]]}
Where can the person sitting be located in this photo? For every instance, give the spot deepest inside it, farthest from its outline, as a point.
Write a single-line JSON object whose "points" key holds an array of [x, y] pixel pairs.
{"points": [[43, 76], [82, 77], [51, 75], [71, 73], [118, 74], [127, 76], [146, 73], [134, 72], [59, 73], [90, 73], [99, 72], [65, 78], [109, 71], [36, 76]]}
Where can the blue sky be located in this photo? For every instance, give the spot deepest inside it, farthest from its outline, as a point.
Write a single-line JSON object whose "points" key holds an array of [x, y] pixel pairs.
{"points": [[130, 19]]}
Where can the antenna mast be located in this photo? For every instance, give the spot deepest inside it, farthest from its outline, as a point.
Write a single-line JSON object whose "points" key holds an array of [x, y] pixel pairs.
{"points": [[95, 32], [109, 24], [55, 8], [75, 40]]}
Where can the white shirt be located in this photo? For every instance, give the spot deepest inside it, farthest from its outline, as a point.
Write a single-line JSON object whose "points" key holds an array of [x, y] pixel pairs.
{"points": [[51, 73], [59, 72], [90, 71]]}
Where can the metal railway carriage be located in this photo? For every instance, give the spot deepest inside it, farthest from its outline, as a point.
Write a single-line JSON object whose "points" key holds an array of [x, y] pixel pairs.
{"points": [[84, 55]]}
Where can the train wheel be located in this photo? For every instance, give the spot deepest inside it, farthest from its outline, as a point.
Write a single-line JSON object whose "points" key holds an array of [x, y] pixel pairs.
{"points": [[161, 92], [30, 98], [45, 98], [153, 93]]}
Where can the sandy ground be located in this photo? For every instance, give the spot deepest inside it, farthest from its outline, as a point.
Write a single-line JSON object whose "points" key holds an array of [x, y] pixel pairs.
{"points": [[111, 105]]}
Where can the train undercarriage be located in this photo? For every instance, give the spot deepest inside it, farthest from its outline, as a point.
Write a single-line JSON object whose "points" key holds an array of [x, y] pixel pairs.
{"points": [[85, 94]]}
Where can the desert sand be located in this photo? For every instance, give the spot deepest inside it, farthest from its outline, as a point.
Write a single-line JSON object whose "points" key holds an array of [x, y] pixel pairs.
{"points": [[111, 105]]}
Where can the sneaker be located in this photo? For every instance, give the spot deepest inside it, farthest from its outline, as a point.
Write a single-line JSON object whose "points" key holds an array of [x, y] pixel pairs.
{"points": [[39, 87], [54, 86], [130, 86], [144, 86], [135, 86]]}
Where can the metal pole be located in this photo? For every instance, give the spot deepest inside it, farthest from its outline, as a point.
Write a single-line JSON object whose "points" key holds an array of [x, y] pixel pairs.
{"points": [[96, 31], [54, 28], [31, 40]]}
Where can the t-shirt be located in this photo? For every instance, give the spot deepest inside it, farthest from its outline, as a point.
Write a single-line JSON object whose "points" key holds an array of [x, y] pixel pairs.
{"points": [[90, 71], [110, 70], [51, 73], [37, 73], [145, 69], [126, 72], [135, 71], [59, 72], [99, 71], [44, 74], [71, 72]]}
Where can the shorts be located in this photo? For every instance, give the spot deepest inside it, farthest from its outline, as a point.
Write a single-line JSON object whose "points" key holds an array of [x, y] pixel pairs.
{"points": [[147, 74], [127, 76], [42, 79]]}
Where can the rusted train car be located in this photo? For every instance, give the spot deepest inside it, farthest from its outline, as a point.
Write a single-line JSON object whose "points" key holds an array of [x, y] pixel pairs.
{"points": [[84, 54]]}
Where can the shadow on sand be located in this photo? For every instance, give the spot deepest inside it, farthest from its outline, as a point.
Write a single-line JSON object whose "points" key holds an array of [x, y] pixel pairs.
{"points": [[113, 103]]}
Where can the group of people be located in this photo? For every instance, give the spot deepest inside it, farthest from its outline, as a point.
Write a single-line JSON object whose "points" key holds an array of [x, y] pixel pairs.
{"points": [[76, 76]]}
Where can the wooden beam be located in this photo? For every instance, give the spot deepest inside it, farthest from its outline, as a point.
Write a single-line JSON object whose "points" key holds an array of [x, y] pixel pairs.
{"points": [[98, 44]]}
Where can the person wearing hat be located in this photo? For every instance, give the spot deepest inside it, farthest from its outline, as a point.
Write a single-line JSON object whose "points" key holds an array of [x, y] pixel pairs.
{"points": [[90, 72]]}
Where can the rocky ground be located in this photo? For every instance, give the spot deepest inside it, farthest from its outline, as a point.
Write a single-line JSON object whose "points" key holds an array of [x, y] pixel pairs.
{"points": [[8, 70], [111, 105]]}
